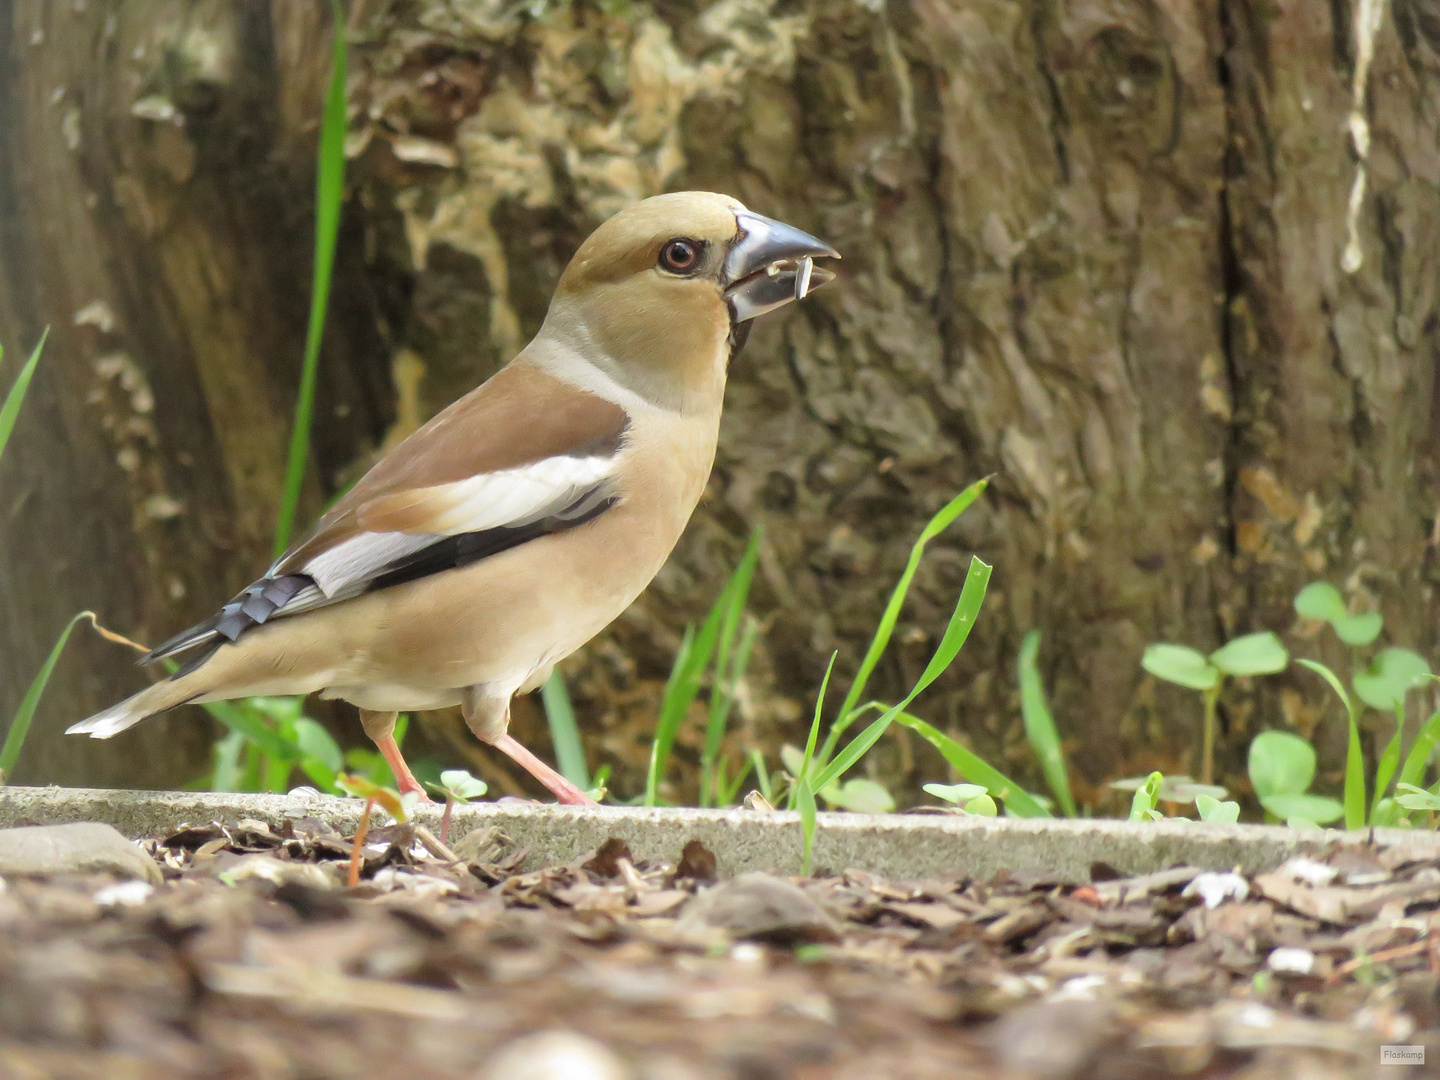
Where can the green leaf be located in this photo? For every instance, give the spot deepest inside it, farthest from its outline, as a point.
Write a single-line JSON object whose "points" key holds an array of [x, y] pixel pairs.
{"points": [[1181, 665], [1040, 727], [1142, 806], [1316, 808], [1417, 798], [967, 609], [389, 800], [1359, 629], [1280, 764], [981, 806], [1178, 789], [859, 796], [315, 741], [1018, 801], [1354, 756], [886, 627], [1215, 812], [11, 409], [564, 731], [956, 793], [1393, 673], [461, 785], [1253, 654], [20, 725], [1387, 814], [1321, 602], [329, 190]]}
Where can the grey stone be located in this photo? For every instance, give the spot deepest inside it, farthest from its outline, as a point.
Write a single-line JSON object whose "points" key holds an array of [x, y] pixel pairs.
{"points": [[84, 846], [759, 907], [898, 846], [1052, 1040]]}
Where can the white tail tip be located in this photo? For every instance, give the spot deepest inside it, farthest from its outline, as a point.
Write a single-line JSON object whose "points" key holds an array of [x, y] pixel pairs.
{"points": [[105, 724]]}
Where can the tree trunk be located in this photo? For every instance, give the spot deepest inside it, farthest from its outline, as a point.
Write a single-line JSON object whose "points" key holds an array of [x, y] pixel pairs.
{"points": [[1094, 249], [156, 189]]}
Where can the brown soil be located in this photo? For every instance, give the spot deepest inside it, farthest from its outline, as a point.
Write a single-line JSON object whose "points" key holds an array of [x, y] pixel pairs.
{"points": [[254, 960]]}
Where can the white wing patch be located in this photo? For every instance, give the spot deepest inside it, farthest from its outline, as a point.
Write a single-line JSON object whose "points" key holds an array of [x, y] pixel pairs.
{"points": [[514, 496], [507, 499], [358, 560]]}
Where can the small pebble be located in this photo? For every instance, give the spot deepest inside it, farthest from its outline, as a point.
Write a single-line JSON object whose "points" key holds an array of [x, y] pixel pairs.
{"points": [[1291, 960], [556, 1055], [124, 894], [1214, 889]]}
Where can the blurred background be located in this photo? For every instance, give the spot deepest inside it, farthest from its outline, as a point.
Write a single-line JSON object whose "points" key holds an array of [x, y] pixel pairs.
{"points": [[1093, 247]]}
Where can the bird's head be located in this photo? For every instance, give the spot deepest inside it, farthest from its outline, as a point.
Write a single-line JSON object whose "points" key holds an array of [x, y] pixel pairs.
{"points": [[662, 289]]}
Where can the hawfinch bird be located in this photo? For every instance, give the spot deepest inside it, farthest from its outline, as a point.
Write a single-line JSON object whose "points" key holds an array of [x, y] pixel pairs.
{"points": [[524, 518]]}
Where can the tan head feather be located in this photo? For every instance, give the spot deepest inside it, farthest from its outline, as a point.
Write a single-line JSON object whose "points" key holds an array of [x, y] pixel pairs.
{"points": [[663, 335]]}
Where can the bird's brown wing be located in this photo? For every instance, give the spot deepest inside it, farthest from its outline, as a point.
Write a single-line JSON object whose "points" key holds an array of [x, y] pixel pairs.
{"points": [[522, 456]]}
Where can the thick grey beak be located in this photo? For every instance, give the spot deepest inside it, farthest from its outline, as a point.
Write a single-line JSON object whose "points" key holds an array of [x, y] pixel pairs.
{"points": [[770, 265]]}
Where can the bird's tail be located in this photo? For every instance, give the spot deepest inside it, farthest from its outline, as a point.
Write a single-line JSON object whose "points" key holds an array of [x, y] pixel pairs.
{"points": [[154, 699]]}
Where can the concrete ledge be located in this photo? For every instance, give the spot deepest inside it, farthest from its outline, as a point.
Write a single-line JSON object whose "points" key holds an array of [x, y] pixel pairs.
{"points": [[899, 846]]}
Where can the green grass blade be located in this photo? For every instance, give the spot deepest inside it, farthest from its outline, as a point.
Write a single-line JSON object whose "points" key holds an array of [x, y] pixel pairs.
{"points": [[937, 524], [1413, 771], [564, 731], [1040, 724], [1354, 779], [1385, 767], [814, 735], [20, 725], [762, 777], [11, 409], [807, 760], [967, 609], [226, 776], [803, 794], [730, 789], [682, 688], [678, 695], [329, 190], [805, 803], [1354, 801], [734, 643], [238, 717], [976, 770]]}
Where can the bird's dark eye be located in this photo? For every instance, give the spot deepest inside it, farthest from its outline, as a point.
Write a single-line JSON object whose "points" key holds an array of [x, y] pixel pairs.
{"points": [[680, 256]]}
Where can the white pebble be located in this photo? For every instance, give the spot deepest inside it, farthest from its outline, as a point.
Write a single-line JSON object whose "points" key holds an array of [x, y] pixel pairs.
{"points": [[1296, 961], [1214, 889], [556, 1055], [1309, 871], [124, 894]]}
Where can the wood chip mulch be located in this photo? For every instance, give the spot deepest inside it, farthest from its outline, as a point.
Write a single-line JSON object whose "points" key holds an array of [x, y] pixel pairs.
{"points": [[253, 960]]}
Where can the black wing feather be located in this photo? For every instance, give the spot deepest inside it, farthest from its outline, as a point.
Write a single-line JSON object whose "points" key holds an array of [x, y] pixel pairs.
{"points": [[263, 599]]}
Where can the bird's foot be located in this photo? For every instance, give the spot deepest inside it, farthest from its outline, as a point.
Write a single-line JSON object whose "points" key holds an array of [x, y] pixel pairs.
{"points": [[557, 785]]}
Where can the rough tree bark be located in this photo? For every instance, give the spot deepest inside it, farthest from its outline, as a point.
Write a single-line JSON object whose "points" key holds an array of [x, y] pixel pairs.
{"points": [[156, 189], [1093, 248]]}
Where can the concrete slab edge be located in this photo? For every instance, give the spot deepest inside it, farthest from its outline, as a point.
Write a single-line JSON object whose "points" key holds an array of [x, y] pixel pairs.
{"points": [[898, 846]]}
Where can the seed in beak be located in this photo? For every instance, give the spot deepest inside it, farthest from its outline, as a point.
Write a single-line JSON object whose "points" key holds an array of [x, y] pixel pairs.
{"points": [[802, 279]]}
